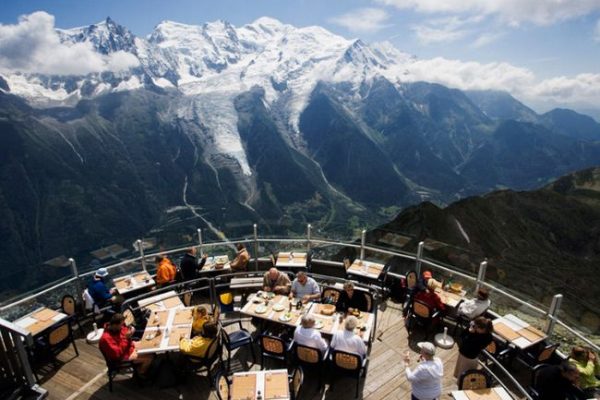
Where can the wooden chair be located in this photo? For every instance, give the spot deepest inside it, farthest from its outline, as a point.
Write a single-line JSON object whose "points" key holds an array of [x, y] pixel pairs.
{"points": [[116, 368], [497, 349], [369, 299], [311, 357], [473, 379], [296, 379], [382, 279], [235, 340], [186, 298], [543, 354], [68, 306], [330, 295], [273, 347], [421, 314], [222, 385], [55, 340], [196, 364], [349, 364]]}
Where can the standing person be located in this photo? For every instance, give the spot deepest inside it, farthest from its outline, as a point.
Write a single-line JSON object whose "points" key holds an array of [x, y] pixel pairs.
{"points": [[276, 281], [475, 307], [588, 365], [426, 378], [241, 260], [474, 340], [346, 340], [306, 334], [351, 300], [189, 265], [165, 272], [116, 345], [305, 288]]}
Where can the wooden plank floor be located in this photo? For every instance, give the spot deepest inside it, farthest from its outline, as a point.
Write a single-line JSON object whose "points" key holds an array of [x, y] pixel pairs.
{"points": [[84, 377]]}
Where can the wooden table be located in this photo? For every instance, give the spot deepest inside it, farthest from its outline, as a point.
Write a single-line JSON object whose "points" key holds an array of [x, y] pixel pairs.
{"points": [[277, 309], [291, 259], [517, 331], [164, 330], [496, 393], [163, 301], [212, 262], [131, 282], [332, 324], [273, 385], [366, 269], [39, 320], [449, 298]]}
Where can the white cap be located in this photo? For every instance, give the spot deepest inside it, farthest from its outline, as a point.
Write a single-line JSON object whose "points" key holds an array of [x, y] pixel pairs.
{"points": [[102, 272], [427, 348]]}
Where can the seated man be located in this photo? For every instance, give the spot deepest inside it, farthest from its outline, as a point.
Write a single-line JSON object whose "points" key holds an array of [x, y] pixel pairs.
{"points": [[165, 271], [307, 335], [473, 308], [189, 265], [351, 300], [277, 282], [305, 288], [198, 345], [100, 293], [559, 382], [240, 262], [117, 346], [346, 340]]}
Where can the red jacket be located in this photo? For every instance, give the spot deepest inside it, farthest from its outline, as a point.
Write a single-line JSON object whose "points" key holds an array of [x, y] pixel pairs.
{"points": [[116, 347], [431, 299]]}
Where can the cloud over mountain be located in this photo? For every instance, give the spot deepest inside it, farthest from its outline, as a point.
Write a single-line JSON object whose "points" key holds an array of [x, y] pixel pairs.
{"points": [[33, 45]]}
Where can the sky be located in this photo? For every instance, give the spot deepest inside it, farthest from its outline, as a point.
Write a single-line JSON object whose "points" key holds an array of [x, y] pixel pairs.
{"points": [[553, 46]]}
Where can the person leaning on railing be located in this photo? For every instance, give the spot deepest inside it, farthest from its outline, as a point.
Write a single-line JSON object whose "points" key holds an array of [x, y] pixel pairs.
{"points": [[240, 262], [588, 365], [555, 382]]}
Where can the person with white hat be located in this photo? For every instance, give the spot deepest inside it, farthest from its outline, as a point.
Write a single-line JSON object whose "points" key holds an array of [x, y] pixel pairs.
{"points": [[99, 291], [426, 378]]}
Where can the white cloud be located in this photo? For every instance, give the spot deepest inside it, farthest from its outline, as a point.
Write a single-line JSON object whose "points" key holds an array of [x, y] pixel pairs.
{"points": [[487, 38], [513, 12], [362, 20], [32, 45], [582, 88], [597, 31], [444, 30]]}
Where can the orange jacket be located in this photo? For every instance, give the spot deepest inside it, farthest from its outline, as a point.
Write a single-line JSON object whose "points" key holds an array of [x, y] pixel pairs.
{"points": [[166, 272]]}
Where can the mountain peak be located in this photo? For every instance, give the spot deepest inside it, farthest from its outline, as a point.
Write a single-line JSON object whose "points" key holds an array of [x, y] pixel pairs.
{"points": [[268, 22]]}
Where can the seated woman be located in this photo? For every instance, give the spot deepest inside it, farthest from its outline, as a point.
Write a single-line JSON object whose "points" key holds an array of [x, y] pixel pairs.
{"points": [[351, 300], [430, 297], [346, 340], [199, 318], [198, 345], [588, 365], [307, 335], [117, 346]]}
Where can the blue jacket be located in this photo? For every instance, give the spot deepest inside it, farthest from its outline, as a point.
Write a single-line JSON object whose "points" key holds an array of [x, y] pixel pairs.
{"points": [[99, 292]]}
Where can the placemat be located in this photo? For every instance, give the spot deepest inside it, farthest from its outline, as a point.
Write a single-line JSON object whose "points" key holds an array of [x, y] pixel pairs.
{"points": [[123, 284], [276, 386], [505, 331], [183, 316], [160, 321], [243, 387], [150, 343], [177, 333], [45, 314], [142, 276], [172, 302], [532, 334], [482, 394], [39, 326]]}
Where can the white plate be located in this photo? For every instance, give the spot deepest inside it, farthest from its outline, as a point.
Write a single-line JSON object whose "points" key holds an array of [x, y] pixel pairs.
{"points": [[260, 309], [318, 324], [285, 318], [278, 307]]}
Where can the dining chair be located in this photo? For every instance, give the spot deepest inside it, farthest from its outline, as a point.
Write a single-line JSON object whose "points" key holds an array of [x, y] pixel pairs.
{"points": [[222, 385], [235, 340], [69, 307], [474, 379], [195, 364], [312, 357], [273, 347], [296, 379], [349, 364]]}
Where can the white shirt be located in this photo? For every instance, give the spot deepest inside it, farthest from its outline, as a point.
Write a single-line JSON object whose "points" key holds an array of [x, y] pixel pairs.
{"points": [[426, 379], [349, 342], [310, 337], [473, 308]]}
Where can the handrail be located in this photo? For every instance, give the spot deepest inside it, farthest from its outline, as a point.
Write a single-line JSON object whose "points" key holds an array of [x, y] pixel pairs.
{"points": [[574, 332], [35, 295], [506, 372]]}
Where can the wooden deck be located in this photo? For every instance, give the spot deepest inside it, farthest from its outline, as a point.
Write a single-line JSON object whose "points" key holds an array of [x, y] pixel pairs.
{"points": [[84, 377]]}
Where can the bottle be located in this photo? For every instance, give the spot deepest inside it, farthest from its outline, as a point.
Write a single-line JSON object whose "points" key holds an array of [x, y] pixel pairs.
{"points": [[299, 305]]}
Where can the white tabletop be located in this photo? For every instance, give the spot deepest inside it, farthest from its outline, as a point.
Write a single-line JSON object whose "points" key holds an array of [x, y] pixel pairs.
{"points": [[135, 282], [298, 259], [159, 300], [365, 268], [495, 393], [261, 376], [164, 345]]}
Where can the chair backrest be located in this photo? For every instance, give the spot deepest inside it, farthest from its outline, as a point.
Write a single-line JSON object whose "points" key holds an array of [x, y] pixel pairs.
{"points": [[217, 314], [297, 380], [187, 299], [59, 334], [411, 279], [369, 299], [272, 345], [211, 352], [421, 309], [547, 353], [331, 295], [308, 355], [222, 386], [473, 379], [68, 305], [535, 372], [347, 361], [492, 348], [129, 317]]}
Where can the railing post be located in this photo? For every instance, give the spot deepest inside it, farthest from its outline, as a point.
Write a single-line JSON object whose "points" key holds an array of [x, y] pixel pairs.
{"points": [[481, 275], [363, 238], [553, 312], [200, 242], [419, 257], [74, 268], [255, 247], [308, 231], [140, 244]]}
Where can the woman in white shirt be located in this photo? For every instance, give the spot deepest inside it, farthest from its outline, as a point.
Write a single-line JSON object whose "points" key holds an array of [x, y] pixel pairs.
{"points": [[307, 335], [347, 341]]}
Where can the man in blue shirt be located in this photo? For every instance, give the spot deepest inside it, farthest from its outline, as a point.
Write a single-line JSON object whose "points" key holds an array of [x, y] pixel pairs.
{"points": [[99, 291], [305, 288]]}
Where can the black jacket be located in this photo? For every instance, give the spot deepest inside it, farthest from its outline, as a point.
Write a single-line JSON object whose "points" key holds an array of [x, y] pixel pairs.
{"points": [[473, 343], [189, 267], [358, 301]]}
